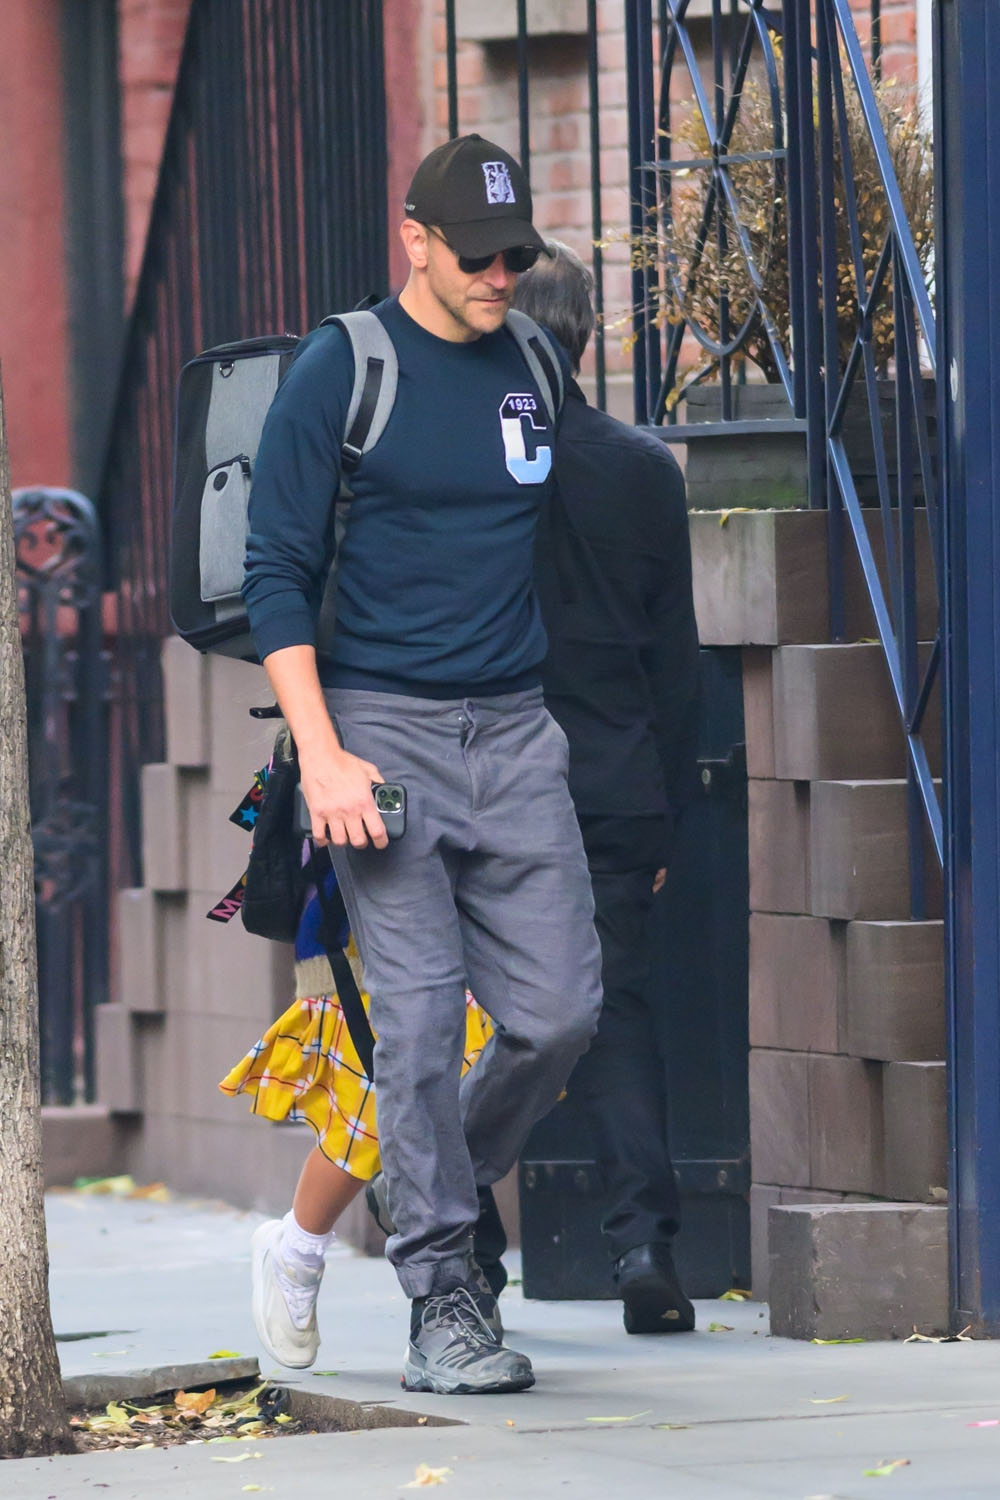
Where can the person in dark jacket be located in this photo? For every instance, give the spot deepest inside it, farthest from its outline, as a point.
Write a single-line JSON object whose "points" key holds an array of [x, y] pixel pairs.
{"points": [[613, 577]]}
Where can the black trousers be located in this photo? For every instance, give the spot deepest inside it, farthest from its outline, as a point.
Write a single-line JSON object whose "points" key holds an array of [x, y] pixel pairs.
{"points": [[618, 1089], [622, 1078]]}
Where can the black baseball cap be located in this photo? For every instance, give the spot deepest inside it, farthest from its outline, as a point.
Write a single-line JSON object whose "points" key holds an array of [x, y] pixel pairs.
{"points": [[476, 194]]}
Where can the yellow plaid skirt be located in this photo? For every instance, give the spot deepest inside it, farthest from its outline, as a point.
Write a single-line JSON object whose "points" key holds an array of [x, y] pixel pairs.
{"points": [[305, 1067]]}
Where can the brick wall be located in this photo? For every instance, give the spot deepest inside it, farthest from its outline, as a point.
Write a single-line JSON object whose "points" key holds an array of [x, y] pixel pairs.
{"points": [[33, 293], [487, 102], [150, 36], [560, 132]]}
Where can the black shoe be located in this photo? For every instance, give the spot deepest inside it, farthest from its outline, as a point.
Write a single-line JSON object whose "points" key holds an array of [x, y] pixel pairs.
{"points": [[653, 1298], [378, 1204], [453, 1352]]}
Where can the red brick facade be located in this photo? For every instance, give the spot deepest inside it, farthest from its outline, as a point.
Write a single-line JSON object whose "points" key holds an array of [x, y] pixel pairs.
{"points": [[33, 296], [33, 300], [150, 36]]}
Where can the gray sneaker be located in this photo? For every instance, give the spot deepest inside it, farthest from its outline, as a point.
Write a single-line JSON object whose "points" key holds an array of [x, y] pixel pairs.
{"points": [[454, 1353], [377, 1198]]}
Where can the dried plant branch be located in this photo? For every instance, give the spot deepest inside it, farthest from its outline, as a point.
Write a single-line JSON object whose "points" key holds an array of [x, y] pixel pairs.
{"points": [[699, 252]]}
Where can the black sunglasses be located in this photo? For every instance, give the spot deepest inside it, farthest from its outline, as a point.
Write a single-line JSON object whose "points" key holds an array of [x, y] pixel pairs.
{"points": [[519, 258]]}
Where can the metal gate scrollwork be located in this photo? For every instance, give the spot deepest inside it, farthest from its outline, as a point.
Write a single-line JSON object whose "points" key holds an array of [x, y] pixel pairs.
{"points": [[57, 545]]}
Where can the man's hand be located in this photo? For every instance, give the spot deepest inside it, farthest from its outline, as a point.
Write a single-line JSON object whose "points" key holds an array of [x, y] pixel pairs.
{"points": [[658, 878], [337, 786], [338, 793]]}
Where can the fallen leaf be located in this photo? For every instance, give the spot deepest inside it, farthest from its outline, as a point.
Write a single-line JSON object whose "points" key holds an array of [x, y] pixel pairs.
{"points": [[837, 1341], [196, 1401], [325, 1372], [119, 1186], [633, 1418], [670, 1427], [154, 1192], [719, 1328], [888, 1467], [827, 1400], [284, 1418], [235, 1458], [510, 1422], [427, 1476], [258, 1487], [735, 1294], [225, 1354], [962, 1337]]}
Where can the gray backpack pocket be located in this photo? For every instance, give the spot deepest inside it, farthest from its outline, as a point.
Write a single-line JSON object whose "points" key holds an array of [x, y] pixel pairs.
{"points": [[224, 530]]}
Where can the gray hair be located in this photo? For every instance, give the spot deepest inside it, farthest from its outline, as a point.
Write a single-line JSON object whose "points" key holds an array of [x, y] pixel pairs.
{"points": [[558, 292]]}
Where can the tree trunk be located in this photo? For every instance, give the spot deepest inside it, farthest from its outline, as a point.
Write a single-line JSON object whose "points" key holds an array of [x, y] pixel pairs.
{"points": [[32, 1411]]}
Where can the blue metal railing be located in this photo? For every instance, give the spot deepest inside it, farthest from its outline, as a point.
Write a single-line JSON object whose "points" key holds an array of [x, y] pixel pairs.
{"points": [[807, 67]]}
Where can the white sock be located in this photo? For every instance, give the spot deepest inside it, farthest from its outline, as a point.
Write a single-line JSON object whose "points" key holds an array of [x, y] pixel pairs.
{"points": [[299, 1268], [298, 1244]]}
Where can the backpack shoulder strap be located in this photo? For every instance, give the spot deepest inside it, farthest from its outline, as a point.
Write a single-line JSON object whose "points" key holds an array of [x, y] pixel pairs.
{"points": [[541, 359], [376, 375], [334, 919]]}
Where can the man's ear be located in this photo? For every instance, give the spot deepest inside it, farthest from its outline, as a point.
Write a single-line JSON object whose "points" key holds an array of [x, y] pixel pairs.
{"points": [[415, 237]]}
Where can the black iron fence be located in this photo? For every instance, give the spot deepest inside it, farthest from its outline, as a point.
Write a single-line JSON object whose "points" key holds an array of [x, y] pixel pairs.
{"points": [[66, 680], [265, 219], [784, 239], [269, 213]]}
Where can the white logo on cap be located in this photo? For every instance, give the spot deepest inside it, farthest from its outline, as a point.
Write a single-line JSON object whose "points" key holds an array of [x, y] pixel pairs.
{"points": [[499, 188]]}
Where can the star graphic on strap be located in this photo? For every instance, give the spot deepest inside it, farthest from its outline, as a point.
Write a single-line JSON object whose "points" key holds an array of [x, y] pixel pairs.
{"points": [[248, 815]]}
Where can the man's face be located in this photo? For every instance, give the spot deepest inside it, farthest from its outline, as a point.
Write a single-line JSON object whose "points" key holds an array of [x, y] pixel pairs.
{"points": [[477, 303]]}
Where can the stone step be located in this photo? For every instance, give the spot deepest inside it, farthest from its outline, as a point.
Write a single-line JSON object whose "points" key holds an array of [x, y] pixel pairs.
{"points": [[764, 1197], [761, 578], [816, 1121], [910, 1164], [172, 959], [835, 849], [858, 852], [82, 1140], [834, 717], [778, 835], [858, 1270], [870, 990], [797, 990], [915, 1116], [895, 991]]}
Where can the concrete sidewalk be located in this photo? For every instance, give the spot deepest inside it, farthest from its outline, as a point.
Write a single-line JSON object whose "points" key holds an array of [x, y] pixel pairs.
{"points": [[703, 1416]]}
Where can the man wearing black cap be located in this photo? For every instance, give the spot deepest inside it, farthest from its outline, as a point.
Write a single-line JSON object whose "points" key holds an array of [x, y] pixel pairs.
{"points": [[434, 683]]}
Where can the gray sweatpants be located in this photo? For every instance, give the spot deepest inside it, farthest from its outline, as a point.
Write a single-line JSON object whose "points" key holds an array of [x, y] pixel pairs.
{"points": [[488, 887]]}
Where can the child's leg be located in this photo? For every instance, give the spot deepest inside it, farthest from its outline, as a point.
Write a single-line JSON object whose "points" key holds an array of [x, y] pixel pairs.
{"points": [[322, 1194], [288, 1261]]}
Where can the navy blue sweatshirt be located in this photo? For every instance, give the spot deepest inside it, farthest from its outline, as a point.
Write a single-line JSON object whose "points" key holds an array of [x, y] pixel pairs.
{"points": [[434, 574]]}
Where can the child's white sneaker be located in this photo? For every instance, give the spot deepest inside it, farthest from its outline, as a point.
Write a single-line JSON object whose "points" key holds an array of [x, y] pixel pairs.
{"points": [[284, 1299]]}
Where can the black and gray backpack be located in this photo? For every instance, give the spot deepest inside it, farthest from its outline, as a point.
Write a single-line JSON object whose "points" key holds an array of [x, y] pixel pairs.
{"points": [[222, 400]]}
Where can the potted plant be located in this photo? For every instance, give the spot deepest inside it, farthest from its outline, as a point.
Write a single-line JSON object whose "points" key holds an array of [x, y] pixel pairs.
{"points": [[700, 268]]}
